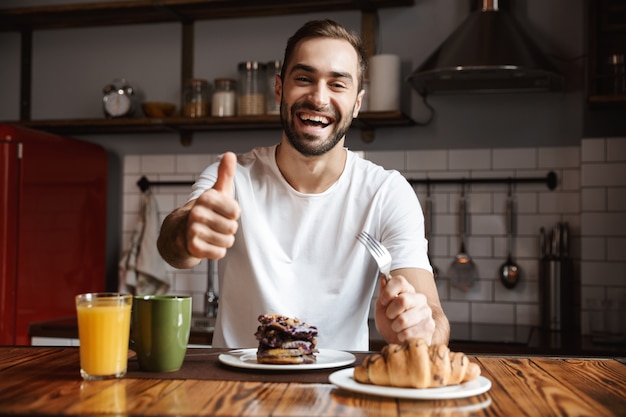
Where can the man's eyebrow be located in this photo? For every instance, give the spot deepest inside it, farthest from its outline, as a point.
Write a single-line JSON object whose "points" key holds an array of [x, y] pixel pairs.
{"points": [[311, 69]]}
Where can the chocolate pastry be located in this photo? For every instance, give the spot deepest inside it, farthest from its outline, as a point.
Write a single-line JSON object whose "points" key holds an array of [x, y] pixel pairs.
{"points": [[285, 340]]}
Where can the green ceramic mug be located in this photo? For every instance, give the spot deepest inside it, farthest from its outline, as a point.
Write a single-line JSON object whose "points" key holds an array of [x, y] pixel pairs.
{"points": [[160, 331]]}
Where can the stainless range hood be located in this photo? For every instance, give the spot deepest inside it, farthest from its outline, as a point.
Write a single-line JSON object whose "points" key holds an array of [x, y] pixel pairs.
{"points": [[488, 53]]}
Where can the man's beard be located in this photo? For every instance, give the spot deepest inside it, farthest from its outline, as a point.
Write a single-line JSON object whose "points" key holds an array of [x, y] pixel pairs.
{"points": [[305, 143]]}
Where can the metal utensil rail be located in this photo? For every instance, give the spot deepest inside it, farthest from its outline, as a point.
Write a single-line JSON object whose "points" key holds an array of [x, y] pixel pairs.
{"points": [[144, 183], [550, 180]]}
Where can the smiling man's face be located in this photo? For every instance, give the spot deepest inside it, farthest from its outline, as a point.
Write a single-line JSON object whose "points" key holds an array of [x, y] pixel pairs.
{"points": [[319, 95]]}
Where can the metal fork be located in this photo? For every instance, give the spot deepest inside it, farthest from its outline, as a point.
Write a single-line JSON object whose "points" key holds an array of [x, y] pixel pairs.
{"points": [[380, 253]]}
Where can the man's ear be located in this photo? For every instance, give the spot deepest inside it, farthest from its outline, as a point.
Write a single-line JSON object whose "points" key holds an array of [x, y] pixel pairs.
{"points": [[278, 89], [359, 100]]}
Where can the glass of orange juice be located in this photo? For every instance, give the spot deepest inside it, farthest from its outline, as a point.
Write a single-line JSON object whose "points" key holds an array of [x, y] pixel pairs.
{"points": [[103, 333]]}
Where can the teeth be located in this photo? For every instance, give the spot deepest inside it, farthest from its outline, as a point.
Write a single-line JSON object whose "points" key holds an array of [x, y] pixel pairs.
{"points": [[312, 118]]}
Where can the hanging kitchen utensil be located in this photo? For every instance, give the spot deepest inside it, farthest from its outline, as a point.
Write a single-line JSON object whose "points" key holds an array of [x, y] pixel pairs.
{"points": [[428, 227], [463, 272], [564, 250], [553, 283], [570, 290], [510, 272], [559, 290]]}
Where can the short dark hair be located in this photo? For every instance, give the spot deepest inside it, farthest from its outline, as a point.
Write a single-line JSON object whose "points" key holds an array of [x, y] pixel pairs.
{"points": [[326, 28]]}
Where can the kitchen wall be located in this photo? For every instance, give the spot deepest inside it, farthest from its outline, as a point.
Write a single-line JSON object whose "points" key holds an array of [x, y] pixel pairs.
{"points": [[74, 64], [589, 197], [603, 235], [470, 135]]}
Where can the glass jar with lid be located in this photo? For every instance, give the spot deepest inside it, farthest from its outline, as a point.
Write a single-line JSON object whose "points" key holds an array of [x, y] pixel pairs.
{"points": [[196, 98], [617, 74], [224, 97], [251, 87], [273, 69]]}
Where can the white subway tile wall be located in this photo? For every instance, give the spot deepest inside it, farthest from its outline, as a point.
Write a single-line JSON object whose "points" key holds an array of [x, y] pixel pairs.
{"points": [[590, 197], [603, 236]]}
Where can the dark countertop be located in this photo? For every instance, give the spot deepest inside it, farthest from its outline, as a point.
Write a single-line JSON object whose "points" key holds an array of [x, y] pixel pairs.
{"points": [[472, 338]]}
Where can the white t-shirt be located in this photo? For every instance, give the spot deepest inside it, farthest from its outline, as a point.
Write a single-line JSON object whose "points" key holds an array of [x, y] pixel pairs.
{"points": [[297, 254]]}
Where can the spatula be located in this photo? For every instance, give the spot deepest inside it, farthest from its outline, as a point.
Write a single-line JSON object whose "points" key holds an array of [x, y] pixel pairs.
{"points": [[463, 272]]}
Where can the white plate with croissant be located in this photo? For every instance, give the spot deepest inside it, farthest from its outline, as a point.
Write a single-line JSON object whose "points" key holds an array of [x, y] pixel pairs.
{"points": [[345, 379], [414, 370]]}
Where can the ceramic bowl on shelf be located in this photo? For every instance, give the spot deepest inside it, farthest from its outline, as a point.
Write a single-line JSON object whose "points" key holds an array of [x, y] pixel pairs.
{"points": [[158, 109]]}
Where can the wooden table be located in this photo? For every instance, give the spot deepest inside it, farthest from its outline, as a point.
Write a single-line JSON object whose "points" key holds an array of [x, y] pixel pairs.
{"points": [[46, 381]]}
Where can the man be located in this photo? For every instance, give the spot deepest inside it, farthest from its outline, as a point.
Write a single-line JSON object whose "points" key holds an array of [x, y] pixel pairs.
{"points": [[283, 219]]}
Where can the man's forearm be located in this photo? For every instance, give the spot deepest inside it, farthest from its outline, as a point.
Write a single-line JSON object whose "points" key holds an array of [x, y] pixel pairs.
{"points": [[442, 328], [172, 241]]}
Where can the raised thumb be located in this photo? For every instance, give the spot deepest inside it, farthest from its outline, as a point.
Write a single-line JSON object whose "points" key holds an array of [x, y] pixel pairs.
{"points": [[226, 173]]}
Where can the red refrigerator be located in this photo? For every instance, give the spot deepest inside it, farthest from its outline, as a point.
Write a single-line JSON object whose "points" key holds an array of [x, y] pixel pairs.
{"points": [[52, 227]]}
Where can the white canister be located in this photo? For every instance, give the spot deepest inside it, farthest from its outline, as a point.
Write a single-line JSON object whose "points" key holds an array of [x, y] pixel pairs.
{"points": [[384, 87], [224, 98]]}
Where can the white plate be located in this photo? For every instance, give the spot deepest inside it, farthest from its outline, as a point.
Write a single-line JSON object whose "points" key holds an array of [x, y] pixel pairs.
{"points": [[345, 379], [326, 358]]}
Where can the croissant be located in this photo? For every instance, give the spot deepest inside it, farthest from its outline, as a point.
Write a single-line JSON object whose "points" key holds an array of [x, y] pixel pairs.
{"points": [[415, 364]]}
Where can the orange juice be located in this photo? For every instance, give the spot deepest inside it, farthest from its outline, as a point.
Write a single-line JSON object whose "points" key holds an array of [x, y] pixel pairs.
{"points": [[103, 331]]}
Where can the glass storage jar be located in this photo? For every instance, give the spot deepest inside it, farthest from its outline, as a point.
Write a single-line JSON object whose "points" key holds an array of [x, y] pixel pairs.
{"points": [[251, 97], [224, 97], [196, 98], [617, 74], [272, 70]]}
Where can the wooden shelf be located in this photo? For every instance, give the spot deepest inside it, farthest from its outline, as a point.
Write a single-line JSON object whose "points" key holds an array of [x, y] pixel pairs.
{"points": [[154, 11], [606, 36], [111, 13], [368, 120], [607, 100]]}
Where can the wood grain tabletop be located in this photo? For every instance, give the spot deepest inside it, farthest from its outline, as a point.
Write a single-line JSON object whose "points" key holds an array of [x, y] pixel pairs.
{"points": [[46, 381]]}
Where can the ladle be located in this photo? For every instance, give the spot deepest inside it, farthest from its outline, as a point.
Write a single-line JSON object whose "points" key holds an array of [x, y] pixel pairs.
{"points": [[510, 272]]}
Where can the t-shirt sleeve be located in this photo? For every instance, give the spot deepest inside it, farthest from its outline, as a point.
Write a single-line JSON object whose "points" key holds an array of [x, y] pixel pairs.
{"points": [[402, 225]]}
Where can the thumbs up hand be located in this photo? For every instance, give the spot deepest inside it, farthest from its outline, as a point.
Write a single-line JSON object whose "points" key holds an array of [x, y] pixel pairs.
{"points": [[226, 173], [212, 221]]}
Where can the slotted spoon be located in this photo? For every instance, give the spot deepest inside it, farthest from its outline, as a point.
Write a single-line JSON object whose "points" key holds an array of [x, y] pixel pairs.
{"points": [[463, 272]]}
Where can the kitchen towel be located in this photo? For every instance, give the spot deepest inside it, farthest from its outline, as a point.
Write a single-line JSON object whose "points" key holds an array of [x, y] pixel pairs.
{"points": [[384, 87], [142, 270]]}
